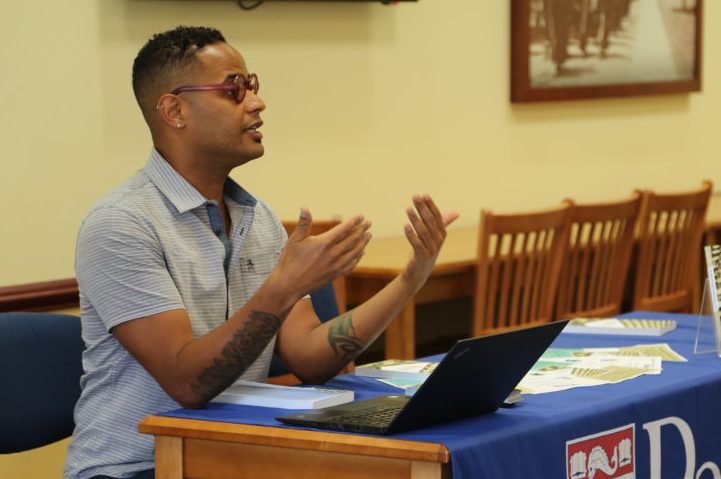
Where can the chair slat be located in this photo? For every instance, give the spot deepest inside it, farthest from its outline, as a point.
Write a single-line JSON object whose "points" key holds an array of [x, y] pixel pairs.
{"points": [[597, 259], [516, 278], [670, 235]]}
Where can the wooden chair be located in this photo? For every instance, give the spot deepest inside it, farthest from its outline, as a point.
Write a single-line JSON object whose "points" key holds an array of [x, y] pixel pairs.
{"points": [[669, 250], [328, 302], [597, 258], [519, 263]]}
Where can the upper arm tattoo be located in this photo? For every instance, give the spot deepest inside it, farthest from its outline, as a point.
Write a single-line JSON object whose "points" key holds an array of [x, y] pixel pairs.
{"points": [[342, 338], [244, 347]]}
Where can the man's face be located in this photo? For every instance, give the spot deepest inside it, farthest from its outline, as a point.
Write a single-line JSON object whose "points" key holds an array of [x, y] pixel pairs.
{"points": [[218, 127]]}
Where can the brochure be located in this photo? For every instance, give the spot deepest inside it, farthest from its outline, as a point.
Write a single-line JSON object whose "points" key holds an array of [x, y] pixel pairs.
{"points": [[624, 327]]}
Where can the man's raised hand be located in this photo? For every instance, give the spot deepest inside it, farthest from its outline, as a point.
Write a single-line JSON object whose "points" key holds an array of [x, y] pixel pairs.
{"points": [[309, 262], [426, 233]]}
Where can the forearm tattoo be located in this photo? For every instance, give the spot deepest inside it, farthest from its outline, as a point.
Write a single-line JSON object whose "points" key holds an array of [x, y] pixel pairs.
{"points": [[240, 352], [342, 338]]}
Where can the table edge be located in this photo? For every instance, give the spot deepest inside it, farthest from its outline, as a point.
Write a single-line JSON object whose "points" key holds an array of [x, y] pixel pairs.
{"points": [[295, 438]]}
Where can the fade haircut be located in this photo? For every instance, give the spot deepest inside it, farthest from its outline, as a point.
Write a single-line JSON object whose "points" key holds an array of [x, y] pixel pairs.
{"points": [[164, 58]]}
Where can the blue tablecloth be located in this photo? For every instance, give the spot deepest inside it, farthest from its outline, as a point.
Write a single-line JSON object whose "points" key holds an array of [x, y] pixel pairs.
{"points": [[666, 425]]}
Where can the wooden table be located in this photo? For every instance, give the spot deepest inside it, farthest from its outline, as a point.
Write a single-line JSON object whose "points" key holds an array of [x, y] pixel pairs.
{"points": [[216, 450], [452, 278]]}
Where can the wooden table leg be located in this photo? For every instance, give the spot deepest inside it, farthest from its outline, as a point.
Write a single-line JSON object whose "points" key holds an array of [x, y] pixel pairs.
{"points": [[429, 470], [400, 335], [168, 457]]}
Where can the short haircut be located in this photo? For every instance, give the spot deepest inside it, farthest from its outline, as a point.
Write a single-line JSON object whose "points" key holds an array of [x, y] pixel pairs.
{"points": [[164, 58]]}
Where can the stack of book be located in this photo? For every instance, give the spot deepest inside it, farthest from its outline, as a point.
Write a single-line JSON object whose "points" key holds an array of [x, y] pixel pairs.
{"points": [[397, 369], [285, 397]]}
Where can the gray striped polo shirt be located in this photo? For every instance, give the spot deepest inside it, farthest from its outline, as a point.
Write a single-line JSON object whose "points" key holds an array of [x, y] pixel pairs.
{"points": [[156, 244]]}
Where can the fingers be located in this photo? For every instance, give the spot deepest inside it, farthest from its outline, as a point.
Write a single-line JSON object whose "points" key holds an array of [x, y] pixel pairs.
{"points": [[344, 244], [302, 229], [427, 223], [427, 229], [341, 231], [419, 230], [349, 249], [450, 217], [413, 239], [358, 238], [350, 258], [430, 204], [444, 219]]}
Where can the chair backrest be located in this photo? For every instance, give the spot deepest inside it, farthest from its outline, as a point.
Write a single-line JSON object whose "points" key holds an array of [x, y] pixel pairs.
{"points": [[519, 262], [669, 249], [328, 302], [597, 258], [40, 367]]}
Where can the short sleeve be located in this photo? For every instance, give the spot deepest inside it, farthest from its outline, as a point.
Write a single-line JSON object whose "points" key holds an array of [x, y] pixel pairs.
{"points": [[121, 269]]}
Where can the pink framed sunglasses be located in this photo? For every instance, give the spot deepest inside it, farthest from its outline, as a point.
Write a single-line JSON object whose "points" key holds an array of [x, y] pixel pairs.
{"points": [[238, 86]]}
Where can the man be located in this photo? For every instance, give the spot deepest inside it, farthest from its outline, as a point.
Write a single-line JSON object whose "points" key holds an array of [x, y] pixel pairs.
{"points": [[187, 281]]}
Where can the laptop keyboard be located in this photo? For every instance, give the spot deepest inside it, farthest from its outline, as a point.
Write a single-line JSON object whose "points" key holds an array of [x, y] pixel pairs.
{"points": [[375, 416]]}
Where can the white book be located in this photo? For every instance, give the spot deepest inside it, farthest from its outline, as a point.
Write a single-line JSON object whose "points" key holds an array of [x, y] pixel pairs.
{"points": [[286, 397], [397, 369], [622, 327]]}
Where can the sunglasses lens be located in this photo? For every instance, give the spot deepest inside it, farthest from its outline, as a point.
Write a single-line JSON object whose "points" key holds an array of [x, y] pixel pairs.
{"points": [[243, 85]]}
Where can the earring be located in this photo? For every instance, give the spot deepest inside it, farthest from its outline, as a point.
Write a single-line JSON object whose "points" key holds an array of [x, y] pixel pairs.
{"points": [[179, 125]]}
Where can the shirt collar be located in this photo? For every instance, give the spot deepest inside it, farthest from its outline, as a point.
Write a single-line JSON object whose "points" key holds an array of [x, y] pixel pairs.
{"points": [[181, 193]]}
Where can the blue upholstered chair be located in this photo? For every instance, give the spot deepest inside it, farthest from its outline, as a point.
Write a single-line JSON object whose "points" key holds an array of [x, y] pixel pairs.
{"points": [[40, 368]]}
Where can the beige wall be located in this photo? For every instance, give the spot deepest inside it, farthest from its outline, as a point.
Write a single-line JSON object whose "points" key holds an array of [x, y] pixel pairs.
{"points": [[367, 104]]}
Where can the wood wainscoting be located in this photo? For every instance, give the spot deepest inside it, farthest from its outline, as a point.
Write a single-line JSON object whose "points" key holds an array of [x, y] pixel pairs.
{"points": [[45, 296]]}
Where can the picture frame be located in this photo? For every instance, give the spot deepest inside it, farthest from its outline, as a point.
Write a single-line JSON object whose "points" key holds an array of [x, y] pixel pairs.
{"points": [[574, 49]]}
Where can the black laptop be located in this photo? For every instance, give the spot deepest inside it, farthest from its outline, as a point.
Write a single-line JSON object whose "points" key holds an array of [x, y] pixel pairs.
{"points": [[474, 378]]}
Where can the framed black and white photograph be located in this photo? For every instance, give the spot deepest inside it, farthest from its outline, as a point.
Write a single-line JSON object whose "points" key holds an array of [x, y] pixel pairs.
{"points": [[568, 49]]}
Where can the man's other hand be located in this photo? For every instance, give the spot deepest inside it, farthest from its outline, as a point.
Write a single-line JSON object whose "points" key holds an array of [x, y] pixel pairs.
{"points": [[426, 233]]}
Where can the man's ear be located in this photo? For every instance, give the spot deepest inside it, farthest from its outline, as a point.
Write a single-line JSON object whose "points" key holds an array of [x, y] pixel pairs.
{"points": [[170, 111]]}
